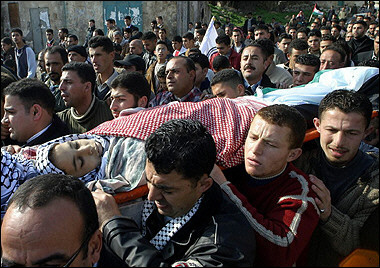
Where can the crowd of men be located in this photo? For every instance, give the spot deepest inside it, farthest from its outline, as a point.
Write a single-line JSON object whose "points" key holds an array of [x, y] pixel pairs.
{"points": [[288, 204]]}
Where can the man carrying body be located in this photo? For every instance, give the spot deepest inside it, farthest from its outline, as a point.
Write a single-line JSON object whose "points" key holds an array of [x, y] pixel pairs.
{"points": [[305, 67], [346, 177], [275, 196], [186, 220], [227, 83]]}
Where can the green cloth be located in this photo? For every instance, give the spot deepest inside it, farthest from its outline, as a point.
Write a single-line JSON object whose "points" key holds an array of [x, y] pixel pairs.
{"points": [[98, 113]]}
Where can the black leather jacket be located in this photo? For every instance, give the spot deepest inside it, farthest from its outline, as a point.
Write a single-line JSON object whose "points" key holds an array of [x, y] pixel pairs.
{"points": [[217, 235]]}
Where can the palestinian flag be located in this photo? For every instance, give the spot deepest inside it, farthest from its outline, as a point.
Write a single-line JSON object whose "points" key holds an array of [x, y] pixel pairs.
{"points": [[317, 10]]}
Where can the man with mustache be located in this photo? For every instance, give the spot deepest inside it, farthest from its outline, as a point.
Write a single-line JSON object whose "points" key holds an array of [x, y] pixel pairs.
{"points": [[255, 59], [346, 179], [55, 57]]}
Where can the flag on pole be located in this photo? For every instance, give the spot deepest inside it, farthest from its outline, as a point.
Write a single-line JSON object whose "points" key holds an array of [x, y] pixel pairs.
{"points": [[317, 10], [208, 45]]}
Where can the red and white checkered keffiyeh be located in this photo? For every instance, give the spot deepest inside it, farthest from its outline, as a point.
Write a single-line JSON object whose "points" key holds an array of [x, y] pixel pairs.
{"points": [[227, 120]]}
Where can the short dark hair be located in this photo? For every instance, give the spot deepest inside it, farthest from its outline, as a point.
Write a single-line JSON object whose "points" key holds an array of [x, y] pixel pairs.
{"points": [[73, 36], [314, 32], [310, 60], [49, 31], [286, 116], [177, 38], [220, 62], [362, 22], [201, 59], [328, 37], [111, 21], [84, 70], [99, 32], [262, 27], [60, 50], [189, 63], [266, 46], [32, 91], [201, 31], [42, 190], [101, 41], [284, 36], [134, 83], [91, 20], [160, 42], [149, 36], [127, 17], [338, 49], [6, 40], [17, 30], [223, 39], [64, 30], [230, 77], [348, 101], [184, 146], [188, 35], [298, 44]]}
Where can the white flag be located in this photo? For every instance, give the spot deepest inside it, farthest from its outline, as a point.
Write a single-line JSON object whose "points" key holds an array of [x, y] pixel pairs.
{"points": [[208, 45]]}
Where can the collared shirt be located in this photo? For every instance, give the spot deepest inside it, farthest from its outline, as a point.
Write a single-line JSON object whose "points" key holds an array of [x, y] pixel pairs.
{"points": [[251, 89], [166, 96], [103, 89], [38, 134]]}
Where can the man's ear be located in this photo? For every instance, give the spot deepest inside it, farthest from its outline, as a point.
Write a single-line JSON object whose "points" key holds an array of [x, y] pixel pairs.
{"points": [[205, 183], [36, 110], [294, 154], [95, 246], [241, 89], [317, 124], [142, 102]]}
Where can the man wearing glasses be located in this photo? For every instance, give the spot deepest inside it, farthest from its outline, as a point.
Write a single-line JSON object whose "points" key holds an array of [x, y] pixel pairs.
{"points": [[52, 220]]}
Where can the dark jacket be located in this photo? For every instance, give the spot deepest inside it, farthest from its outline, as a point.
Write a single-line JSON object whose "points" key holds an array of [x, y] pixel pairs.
{"points": [[360, 45], [218, 234], [90, 31], [57, 129], [265, 82]]}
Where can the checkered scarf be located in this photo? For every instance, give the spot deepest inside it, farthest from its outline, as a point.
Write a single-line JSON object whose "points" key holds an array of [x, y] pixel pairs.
{"points": [[166, 233], [45, 166], [227, 120]]}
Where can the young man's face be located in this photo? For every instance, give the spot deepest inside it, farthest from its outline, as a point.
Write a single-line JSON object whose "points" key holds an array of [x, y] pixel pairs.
{"points": [[266, 150], [223, 49], [121, 99], [302, 74], [16, 37], [340, 135]]}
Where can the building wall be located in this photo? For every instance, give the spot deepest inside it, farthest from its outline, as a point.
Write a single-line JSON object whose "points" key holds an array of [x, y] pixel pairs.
{"points": [[74, 15]]}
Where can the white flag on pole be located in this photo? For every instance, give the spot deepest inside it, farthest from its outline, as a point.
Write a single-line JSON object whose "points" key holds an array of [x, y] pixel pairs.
{"points": [[208, 45]]}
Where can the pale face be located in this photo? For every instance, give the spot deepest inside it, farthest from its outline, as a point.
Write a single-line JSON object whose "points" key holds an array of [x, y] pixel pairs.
{"points": [[149, 45], [173, 195], [314, 42], [53, 65], [302, 74], [161, 52], [49, 36], [284, 45], [5, 47], [120, 100], [135, 48], [325, 43], [376, 45], [176, 45], [294, 56], [178, 80], [330, 60], [261, 34], [266, 150], [223, 49], [224, 90], [349, 36], [101, 60], [293, 32], [340, 135], [302, 36], [46, 236], [236, 37], [17, 119], [358, 30], [253, 64], [325, 32], [77, 157], [73, 90], [16, 38], [335, 32], [74, 56], [188, 43]]}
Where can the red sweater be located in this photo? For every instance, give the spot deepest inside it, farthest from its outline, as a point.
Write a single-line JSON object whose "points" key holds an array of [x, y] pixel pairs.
{"points": [[234, 59], [283, 213]]}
